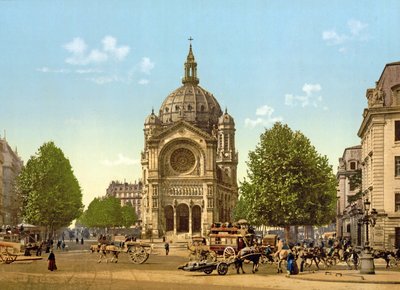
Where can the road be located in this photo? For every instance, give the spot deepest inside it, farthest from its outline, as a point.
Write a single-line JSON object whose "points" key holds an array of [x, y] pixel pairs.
{"points": [[80, 270]]}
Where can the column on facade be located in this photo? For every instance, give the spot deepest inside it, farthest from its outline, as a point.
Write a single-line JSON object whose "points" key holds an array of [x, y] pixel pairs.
{"points": [[190, 220], [175, 223]]}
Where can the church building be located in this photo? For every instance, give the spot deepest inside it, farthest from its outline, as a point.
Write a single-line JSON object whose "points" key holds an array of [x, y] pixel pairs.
{"points": [[189, 162]]}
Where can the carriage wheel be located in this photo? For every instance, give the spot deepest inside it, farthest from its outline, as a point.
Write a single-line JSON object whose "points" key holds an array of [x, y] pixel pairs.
{"points": [[208, 271], [138, 255], [222, 268], [229, 254]]}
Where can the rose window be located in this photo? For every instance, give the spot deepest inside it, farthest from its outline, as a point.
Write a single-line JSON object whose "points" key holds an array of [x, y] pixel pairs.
{"points": [[182, 160]]}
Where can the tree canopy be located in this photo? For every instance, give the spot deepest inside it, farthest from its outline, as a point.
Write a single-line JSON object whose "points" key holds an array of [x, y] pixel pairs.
{"points": [[288, 182], [50, 193], [106, 212]]}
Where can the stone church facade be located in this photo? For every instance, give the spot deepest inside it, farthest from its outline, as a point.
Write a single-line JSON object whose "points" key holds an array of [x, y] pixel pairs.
{"points": [[189, 162]]}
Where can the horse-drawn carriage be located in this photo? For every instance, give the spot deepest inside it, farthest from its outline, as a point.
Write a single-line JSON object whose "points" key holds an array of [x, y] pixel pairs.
{"points": [[232, 243], [11, 252], [227, 241], [138, 252]]}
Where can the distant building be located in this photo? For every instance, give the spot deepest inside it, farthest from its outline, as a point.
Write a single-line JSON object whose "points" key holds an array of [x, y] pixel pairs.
{"points": [[349, 165], [380, 142], [11, 165], [127, 193]]}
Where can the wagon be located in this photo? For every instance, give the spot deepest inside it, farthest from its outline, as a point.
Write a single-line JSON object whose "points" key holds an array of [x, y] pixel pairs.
{"points": [[11, 252], [206, 267], [228, 241], [138, 252]]}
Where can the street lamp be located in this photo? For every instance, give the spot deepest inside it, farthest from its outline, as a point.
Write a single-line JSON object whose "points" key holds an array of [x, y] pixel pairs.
{"points": [[367, 265]]}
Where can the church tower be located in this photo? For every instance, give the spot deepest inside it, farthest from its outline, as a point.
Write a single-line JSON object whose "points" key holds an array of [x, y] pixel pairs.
{"points": [[189, 162]]}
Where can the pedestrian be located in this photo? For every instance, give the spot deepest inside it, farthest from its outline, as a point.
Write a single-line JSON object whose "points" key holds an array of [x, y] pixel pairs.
{"points": [[166, 246], [291, 264], [52, 261], [77, 240], [82, 241]]}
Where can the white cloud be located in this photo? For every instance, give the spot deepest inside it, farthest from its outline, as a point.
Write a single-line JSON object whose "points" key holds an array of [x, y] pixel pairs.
{"points": [[76, 46], [46, 69], [266, 121], [332, 38], [109, 51], [356, 26], [356, 32], [121, 160], [143, 82], [88, 71], [110, 45], [309, 99], [97, 56], [264, 110], [311, 88], [146, 65]]}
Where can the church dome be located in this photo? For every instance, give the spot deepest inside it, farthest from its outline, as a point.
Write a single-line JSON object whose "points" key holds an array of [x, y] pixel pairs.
{"points": [[226, 119], [152, 119], [191, 102]]}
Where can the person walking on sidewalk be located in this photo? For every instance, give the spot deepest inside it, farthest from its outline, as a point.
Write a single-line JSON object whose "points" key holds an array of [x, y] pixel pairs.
{"points": [[166, 246], [52, 261]]}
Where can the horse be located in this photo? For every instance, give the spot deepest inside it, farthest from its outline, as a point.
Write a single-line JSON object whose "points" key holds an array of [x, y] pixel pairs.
{"points": [[281, 257], [386, 255], [251, 254], [104, 250], [308, 256]]}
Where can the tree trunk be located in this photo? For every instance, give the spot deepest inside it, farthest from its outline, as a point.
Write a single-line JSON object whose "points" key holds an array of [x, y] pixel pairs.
{"points": [[287, 234], [296, 233]]}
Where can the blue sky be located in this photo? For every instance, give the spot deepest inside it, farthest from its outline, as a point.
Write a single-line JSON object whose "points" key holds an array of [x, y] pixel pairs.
{"points": [[85, 74]]}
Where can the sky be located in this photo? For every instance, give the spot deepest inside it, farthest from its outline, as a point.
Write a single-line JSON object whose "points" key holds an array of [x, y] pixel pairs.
{"points": [[85, 74]]}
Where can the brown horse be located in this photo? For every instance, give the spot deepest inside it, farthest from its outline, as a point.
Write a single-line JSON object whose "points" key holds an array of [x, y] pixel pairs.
{"points": [[252, 254]]}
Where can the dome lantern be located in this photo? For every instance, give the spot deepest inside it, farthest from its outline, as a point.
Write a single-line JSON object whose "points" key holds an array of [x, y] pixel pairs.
{"points": [[190, 68]]}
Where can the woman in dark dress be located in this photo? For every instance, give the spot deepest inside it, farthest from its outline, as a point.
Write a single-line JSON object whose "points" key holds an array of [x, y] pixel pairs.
{"points": [[52, 261]]}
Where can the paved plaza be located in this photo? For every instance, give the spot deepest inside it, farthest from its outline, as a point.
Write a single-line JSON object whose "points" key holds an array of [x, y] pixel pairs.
{"points": [[79, 269]]}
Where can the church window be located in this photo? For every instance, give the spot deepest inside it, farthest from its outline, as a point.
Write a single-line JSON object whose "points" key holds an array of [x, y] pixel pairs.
{"points": [[226, 140], [202, 108], [396, 130], [189, 107], [353, 165], [397, 201], [177, 108], [397, 166]]}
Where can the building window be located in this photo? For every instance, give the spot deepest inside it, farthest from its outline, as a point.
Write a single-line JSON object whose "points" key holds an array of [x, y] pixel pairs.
{"points": [[352, 165], [396, 130], [397, 202], [397, 166]]}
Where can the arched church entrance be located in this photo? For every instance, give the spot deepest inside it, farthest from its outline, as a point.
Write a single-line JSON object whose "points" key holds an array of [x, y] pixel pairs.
{"points": [[182, 218], [169, 218], [196, 218]]}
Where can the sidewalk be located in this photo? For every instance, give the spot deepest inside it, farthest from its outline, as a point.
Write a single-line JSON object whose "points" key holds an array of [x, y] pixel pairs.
{"points": [[350, 276]]}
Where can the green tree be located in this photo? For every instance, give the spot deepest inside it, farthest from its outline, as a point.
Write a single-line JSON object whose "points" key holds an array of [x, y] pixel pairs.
{"points": [[50, 193], [129, 216], [288, 183], [107, 212], [355, 180]]}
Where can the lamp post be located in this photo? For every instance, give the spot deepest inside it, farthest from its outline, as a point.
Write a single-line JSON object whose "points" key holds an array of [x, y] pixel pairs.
{"points": [[367, 265]]}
